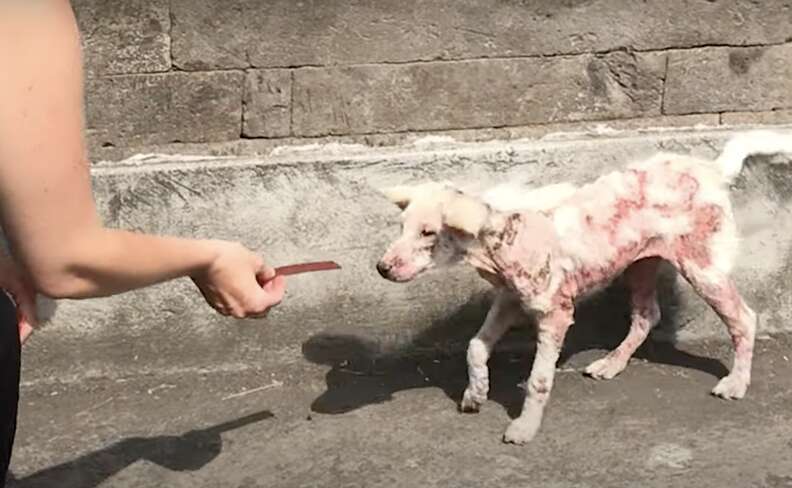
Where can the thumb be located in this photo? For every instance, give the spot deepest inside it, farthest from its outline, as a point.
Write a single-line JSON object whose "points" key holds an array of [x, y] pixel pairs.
{"points": [[272, 292], [265, 274]]}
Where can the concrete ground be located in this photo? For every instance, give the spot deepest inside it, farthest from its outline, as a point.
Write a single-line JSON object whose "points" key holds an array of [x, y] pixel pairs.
{"points": [[341, 421]]}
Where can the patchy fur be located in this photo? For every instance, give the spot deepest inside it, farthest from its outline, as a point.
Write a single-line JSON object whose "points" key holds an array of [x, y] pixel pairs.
{"points": [[545, 248]]}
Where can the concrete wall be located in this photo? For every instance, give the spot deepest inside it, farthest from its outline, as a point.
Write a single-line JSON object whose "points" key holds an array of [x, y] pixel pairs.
{"points": [[206, 71]]}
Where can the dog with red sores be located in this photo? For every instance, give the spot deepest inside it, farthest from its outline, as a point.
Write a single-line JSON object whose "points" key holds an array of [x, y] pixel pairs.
{"points": [[544, 248]]}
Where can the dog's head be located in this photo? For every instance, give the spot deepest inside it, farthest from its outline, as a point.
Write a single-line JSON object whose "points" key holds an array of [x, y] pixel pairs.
{"points": [[439, 222]]}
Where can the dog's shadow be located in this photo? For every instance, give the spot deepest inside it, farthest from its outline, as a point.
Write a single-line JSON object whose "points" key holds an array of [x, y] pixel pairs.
{"points": [[362, 374]]}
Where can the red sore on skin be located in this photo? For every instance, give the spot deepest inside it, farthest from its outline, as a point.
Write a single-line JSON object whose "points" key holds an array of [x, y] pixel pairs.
{"points": [[695, 245], [732, 310], [689, 186], [625, 206], [587, 277]]}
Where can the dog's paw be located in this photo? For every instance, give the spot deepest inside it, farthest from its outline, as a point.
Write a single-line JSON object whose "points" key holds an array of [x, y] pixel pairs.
{"points": [[522, 430], [605, 368], [731, 387], [471, 402]]}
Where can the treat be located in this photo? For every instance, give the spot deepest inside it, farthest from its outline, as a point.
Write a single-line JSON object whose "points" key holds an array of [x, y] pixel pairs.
{"points": [[293, 269]]}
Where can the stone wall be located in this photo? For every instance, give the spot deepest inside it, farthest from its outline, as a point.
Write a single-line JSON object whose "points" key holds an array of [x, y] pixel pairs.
{"points": [[166, 72]]}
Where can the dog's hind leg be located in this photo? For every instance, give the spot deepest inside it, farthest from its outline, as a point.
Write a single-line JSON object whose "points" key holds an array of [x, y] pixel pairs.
{"points": [[641, 280], [720, 292], [505, 311]]}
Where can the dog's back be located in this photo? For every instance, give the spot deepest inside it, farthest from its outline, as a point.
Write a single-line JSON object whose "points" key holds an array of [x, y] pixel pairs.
{"points": [[658, 200], [508, 197]]}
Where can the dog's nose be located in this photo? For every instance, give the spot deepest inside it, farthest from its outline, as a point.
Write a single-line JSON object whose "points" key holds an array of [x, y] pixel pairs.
{"points": [[383, 269]]}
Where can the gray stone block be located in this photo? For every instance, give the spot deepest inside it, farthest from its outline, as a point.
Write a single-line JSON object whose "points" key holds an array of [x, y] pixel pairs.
{"points": [[729, 79], [286, 33], [757, 118], [175, 107], [267, 107], [263, 146], [467, 94], [132, 36]]}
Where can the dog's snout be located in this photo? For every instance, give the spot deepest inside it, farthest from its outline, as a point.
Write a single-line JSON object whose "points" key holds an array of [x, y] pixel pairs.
{"points": [[383, 269]]}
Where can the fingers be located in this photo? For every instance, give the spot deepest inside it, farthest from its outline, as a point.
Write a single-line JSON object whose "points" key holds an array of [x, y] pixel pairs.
{"points": [[239, 283], [251, 300], [25, 329], [26, 301], [267, 296], [264, 298], [26, 318], [274, 291]]}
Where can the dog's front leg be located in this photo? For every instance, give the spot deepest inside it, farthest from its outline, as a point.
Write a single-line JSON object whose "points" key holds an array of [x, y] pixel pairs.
{"points": [[552, 328], [505, 311]]}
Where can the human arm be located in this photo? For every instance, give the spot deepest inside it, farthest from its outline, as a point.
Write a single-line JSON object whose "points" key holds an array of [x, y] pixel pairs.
{"points": [[46, 203]]}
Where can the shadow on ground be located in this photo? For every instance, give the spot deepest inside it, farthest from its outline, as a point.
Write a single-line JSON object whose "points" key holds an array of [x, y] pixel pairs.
{"points": [[362, 374], [188, 452]]}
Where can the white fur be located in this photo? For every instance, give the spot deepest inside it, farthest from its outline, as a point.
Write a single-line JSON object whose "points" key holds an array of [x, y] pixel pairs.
{"points": [[466, 214], [760, 142], [501, 316], [508, 197]]}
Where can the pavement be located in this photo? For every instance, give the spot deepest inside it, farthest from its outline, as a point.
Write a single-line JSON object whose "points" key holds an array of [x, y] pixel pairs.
{"points": [[338, 418]]}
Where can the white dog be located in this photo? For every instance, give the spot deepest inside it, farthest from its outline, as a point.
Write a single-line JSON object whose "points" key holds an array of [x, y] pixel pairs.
{"points": [[544, 248]]}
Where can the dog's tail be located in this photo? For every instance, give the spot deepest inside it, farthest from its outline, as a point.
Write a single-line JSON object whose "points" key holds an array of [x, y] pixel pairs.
{"points": [[742, 146]]}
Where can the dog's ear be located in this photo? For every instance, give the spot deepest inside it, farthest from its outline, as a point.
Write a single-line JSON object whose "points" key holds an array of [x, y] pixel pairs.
{"points": [[400, 195], [465, 215]]}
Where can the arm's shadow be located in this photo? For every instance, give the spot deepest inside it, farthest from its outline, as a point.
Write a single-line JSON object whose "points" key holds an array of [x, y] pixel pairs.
{"points": [[361, 374], [188, 452]]}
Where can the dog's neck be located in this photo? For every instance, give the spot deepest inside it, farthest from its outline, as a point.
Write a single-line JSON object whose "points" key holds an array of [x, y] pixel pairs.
{"points": [[515, 251], [478, 257], [481, 252]]}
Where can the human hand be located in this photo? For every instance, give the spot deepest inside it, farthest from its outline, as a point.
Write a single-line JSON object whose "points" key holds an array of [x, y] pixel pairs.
{"points": [[18, 287], [238, 283]]}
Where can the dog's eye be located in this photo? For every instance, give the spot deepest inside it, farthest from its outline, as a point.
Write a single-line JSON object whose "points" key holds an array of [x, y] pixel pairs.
{"points": [[428, 233]]}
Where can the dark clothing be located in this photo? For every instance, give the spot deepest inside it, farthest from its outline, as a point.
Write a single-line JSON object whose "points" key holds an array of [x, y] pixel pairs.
{"points": [[9, 381]]}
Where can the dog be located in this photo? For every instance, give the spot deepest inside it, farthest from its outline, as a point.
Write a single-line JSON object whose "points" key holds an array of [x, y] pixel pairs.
{"points": [[544, 248]]}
